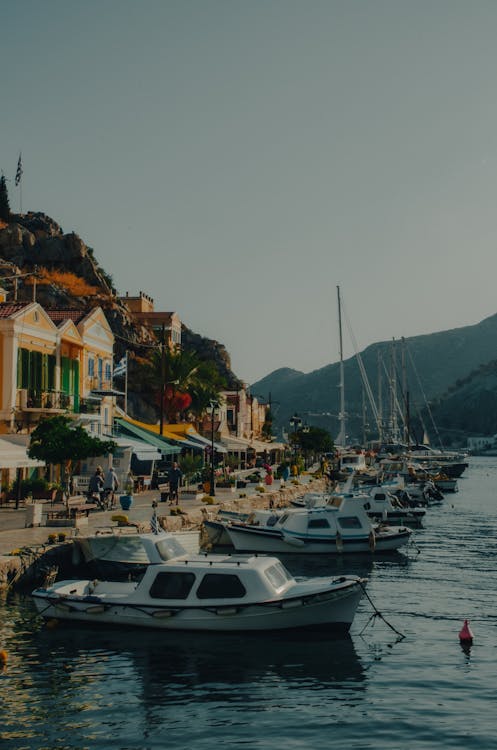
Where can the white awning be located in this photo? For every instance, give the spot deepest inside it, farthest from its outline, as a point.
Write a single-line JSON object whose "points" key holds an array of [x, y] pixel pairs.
{"points": [[143, 451], [201, 440], [13, 456], [235, 444]]}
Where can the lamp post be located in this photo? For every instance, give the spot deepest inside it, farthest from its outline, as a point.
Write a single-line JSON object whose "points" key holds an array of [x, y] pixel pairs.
{"points": [[212, 482], [295, 422], [305, 430]]}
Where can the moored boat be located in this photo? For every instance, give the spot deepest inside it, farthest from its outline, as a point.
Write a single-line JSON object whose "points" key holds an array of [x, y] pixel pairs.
{"points": [[207, 592], [340, 527]]}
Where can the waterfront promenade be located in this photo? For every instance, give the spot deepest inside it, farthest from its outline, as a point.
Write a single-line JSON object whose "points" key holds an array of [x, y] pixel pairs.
{"points": [[17, 537]]}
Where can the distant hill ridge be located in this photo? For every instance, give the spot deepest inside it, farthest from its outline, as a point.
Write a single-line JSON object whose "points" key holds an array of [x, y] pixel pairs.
{"points": [[454, 360]]}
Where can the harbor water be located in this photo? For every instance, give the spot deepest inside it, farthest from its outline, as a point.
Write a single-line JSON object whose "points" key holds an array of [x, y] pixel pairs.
{"points": [[75, 687]]}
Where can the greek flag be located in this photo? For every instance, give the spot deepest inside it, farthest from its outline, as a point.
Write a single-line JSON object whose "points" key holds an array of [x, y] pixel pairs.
{"points": [[154, 524], [19, 171], [121, 367]]}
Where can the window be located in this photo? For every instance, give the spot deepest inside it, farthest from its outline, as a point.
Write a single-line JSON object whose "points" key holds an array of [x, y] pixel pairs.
{"points": [[107, 371], [220, 586], [318, 523], [172, 585], [169, 548], [277, 575], [91, 367], [350, 522], [272, 521]]}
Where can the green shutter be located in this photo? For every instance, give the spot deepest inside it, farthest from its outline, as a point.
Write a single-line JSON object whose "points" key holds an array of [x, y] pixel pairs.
{"points": [[65, 381]]}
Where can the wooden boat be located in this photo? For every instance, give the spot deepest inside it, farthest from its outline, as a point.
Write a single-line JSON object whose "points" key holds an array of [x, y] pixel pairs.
{"points": [[207, 592]]}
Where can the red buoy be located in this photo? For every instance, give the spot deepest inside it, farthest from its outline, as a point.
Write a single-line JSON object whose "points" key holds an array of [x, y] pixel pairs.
{"points": [[465, 634]]}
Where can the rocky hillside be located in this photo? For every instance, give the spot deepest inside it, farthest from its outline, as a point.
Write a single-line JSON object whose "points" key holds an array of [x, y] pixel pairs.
{"points": [[35, 250]]}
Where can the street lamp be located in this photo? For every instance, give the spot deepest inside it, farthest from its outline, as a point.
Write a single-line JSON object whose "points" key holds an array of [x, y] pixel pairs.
{"points": [[295, 422], [212, 482]]}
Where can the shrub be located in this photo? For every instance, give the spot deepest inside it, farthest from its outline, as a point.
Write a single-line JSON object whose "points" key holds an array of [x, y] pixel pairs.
{"points": [[31, 486], [208, 500]]}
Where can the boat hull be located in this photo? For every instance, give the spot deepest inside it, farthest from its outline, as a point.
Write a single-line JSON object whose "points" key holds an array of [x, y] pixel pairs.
{"points": [[332, 610], [247, 539]]}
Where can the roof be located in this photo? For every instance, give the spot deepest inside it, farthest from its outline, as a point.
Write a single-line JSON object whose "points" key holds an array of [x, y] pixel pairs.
{"points": [[59, 316], [9, 308]]}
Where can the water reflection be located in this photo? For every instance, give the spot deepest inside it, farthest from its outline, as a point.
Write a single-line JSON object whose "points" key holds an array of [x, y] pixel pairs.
{"points": [[166, 661]]}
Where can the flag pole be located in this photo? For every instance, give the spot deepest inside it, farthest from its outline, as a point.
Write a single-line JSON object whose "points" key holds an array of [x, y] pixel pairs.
{"points": [[126, 385], [18, 180]]}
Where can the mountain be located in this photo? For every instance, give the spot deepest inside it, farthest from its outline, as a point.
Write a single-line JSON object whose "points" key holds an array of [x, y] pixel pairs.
{"points": [[434, 363]]}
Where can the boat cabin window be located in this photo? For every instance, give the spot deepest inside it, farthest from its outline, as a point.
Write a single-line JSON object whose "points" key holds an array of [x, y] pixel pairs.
{"points": [[170, 548], [277, 575], [380, 496], [272, 520], [283, 518], [172, 585], [350, 522], [220, 586], [318, 523]]}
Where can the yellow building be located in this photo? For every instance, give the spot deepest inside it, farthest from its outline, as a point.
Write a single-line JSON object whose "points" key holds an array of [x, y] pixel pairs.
{"points": [[52, 362]]}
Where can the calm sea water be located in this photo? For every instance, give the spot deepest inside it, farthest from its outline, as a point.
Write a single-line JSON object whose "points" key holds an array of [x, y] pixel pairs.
{"points": [[69, 687]]}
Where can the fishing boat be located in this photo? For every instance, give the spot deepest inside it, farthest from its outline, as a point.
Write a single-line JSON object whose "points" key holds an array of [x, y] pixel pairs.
{"points": [[179, 591], [341, 526]]}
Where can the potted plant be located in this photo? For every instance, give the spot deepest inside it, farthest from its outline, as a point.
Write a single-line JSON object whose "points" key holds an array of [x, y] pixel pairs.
{"points": [[126, 500]]}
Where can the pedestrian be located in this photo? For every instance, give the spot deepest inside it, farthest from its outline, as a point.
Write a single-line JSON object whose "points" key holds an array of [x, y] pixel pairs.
{"points": [[111, 485], [96, 486], [175, 476]]}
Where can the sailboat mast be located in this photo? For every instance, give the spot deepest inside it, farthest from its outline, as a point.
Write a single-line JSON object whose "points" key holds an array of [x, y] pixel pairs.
{"points": [[341, 435]]}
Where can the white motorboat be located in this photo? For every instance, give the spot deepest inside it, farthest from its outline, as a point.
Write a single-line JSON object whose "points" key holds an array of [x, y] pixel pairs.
{"points": [[179, 591], [214, 534], [118, 552], [339, 527], [379, 504]]}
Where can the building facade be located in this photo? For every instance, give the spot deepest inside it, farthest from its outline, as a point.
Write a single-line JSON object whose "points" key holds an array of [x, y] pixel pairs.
{"points": [[52, 362]]}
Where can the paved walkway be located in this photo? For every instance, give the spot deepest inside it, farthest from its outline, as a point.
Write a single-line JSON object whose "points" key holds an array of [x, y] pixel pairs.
{"points": [[15, 535]]}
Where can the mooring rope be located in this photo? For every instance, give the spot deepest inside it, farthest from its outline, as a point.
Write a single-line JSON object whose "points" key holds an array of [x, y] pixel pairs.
{"points": [[377, 613]]}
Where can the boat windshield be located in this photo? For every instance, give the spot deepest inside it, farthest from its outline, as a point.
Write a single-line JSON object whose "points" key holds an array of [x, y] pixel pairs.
{"points": [[170, 548], [277, 575]]}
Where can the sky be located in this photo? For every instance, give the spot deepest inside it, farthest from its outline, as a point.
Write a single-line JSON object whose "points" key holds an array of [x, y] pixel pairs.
{"points": [[237, 160]]}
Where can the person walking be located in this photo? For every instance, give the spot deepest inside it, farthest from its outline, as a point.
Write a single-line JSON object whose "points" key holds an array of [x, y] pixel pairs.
{"points": [[111, 485], [96, 486], [175, 476]]}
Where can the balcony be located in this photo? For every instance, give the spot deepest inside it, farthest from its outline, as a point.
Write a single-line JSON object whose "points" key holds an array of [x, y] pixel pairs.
{"points": [[89, 406], [52, 402]]}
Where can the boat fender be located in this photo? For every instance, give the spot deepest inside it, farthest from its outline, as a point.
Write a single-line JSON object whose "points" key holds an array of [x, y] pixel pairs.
{"points": [[372, 540], [293, 541], [339, 542]]}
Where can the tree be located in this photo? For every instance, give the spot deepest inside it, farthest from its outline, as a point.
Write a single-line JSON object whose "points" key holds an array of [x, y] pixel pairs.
{"points": [[180, 380], [4, 200], [313, 440], [59, 441]]}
